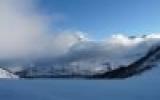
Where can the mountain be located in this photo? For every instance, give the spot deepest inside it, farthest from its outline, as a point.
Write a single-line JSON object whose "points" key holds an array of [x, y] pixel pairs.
{"points": [[117, 57], [6, 74], [150, 60]]}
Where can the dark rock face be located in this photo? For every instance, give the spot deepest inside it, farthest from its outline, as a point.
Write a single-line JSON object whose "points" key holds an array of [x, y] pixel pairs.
{"points": [[139, 66]]}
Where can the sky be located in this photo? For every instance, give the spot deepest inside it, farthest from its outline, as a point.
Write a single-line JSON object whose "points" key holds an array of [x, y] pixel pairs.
{"points": [[86, 32], [102, 18]]}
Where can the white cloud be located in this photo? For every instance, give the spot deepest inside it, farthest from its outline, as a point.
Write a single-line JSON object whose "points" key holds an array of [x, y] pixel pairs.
{"points": [[116, 50], [24, 34]]}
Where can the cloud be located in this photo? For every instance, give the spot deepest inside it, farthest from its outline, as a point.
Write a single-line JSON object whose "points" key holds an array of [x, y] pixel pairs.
{"points": [[117, 50], [24, 34]]}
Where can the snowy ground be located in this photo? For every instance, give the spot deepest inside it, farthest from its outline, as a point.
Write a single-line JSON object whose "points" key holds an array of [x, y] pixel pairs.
{"points": [[144, 87]]}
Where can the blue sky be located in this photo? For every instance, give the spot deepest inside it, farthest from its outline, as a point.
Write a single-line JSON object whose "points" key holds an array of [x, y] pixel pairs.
{"points": [[101, 18]]}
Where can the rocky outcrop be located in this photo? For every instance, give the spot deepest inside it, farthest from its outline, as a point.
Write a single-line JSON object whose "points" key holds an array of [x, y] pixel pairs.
{"points": [[143, 64]]}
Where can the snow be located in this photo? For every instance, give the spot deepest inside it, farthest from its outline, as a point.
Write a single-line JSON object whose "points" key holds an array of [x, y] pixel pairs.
{"points": [[141, 87], [144, 87], [6, 74]]}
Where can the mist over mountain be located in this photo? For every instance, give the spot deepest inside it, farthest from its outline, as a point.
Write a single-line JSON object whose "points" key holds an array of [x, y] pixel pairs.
{"points": [[88, 57]]}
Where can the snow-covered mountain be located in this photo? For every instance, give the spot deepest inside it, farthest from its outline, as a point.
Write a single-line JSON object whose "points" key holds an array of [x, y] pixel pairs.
{"points": [[6, 74], [88, 58], [118, 56], [145, 63]]}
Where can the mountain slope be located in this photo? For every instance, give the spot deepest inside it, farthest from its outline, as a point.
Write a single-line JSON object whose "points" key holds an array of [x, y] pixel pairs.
{"points": [[147, 62], [150, 60], [5, 74], [118, 57]]}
